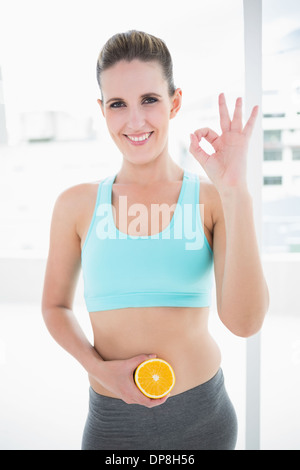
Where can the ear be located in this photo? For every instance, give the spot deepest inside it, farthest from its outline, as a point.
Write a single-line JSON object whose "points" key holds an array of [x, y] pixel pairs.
{"points": [[176, 101], [100, 102]]}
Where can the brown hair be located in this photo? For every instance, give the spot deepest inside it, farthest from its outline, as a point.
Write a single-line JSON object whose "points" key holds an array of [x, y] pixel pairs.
{"points": [[136, 45]]}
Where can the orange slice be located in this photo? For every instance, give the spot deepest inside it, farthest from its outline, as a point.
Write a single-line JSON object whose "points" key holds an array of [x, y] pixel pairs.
{"points": [[154, 377]]}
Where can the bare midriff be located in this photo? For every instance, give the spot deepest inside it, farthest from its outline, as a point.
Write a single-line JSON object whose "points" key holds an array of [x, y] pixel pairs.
{"points": [[178, 335]]}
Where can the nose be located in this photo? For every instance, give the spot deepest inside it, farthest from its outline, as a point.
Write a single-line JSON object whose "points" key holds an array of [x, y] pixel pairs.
{"points": [[136, 119]]}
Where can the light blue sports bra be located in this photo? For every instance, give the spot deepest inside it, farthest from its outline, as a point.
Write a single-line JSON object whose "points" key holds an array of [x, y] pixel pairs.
{"points": [[173, 268]]}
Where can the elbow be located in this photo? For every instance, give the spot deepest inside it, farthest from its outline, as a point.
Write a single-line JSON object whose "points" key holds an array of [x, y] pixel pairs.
{"points": [[246, 327], [46, 309], [50, 314], [248, 319], [47, 314], [246, 331]]}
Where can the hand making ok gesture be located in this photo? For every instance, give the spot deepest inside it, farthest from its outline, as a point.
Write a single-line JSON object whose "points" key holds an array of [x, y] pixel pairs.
{"points": [[226, 167]]}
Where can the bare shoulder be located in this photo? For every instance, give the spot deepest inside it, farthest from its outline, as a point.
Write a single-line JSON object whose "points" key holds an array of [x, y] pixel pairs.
{"points": [[76, 204], [75, 195]]}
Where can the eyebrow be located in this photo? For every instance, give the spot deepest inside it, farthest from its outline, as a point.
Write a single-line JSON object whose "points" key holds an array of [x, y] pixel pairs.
{"points": [[142, 96]]}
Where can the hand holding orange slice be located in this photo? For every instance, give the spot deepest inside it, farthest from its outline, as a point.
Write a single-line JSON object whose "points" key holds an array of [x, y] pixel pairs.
{"points": [[155, 378]]}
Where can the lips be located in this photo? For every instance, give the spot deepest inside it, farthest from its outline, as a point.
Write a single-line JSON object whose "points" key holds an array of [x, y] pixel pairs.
{"points": [[139, 139]]}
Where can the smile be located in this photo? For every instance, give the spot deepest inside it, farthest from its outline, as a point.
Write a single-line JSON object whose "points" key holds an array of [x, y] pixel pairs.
{"points": [[140, 138]]}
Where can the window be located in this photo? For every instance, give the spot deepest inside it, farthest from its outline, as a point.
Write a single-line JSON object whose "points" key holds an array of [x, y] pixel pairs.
{"points": [[274, 115], [272, 154], [272, 136], [296, 153], [272, 180]]}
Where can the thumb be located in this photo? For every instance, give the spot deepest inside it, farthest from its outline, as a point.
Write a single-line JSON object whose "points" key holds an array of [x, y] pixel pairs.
{"points": [[137, 360]]}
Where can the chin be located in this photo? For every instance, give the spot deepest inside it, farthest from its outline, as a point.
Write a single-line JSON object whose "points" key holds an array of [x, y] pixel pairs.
{"points": [[141, 159], [142, 156]]}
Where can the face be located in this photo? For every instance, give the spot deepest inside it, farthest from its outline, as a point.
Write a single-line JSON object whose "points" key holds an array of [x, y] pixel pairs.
{"points": [[137, 108]]}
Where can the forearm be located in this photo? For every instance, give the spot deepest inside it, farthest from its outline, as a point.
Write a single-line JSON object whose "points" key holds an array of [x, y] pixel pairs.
{"points": [[65, 329], [115, 375], [245, 298]]}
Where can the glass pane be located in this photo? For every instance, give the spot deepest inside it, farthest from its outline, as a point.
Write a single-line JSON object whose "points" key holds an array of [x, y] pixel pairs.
{"points": [[272, 136], [296, 153], [271, 154], [280, 385]]}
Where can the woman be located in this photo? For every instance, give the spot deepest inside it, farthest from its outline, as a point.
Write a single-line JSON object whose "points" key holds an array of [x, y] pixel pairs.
{"points": [[148, 278]]}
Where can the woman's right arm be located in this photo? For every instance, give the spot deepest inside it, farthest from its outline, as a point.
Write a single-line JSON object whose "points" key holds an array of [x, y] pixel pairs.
{"points": [[62, 271]]}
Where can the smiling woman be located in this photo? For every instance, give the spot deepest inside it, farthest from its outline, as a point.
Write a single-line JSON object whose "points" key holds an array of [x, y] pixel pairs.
{"points": [[149, 295], [140, 116], [137, 119]]}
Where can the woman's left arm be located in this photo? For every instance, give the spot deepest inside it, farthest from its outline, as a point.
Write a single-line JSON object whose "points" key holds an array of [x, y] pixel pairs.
{"points": [[242, 292]]}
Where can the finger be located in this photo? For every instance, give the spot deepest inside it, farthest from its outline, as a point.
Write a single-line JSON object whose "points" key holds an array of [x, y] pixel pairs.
{"points": [[237, 124], [137, 360], [157, 401], [225, 122], [197, 151], [140, 399], [251, 121], [208, 134]]}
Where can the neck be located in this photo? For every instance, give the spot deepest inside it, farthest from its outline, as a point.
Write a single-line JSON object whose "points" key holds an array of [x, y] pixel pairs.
{"points": [[150, 173]]}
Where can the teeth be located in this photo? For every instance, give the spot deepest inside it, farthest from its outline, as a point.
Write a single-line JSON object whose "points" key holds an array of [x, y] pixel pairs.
{"points": [[141, 138]]}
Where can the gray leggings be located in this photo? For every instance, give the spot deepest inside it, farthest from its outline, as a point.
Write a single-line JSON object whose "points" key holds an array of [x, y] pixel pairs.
{"points": [[201, 418]]}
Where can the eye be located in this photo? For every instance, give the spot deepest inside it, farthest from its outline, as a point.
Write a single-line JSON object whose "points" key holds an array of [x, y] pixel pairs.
{"points": [[117, 104], [150, 100]]}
